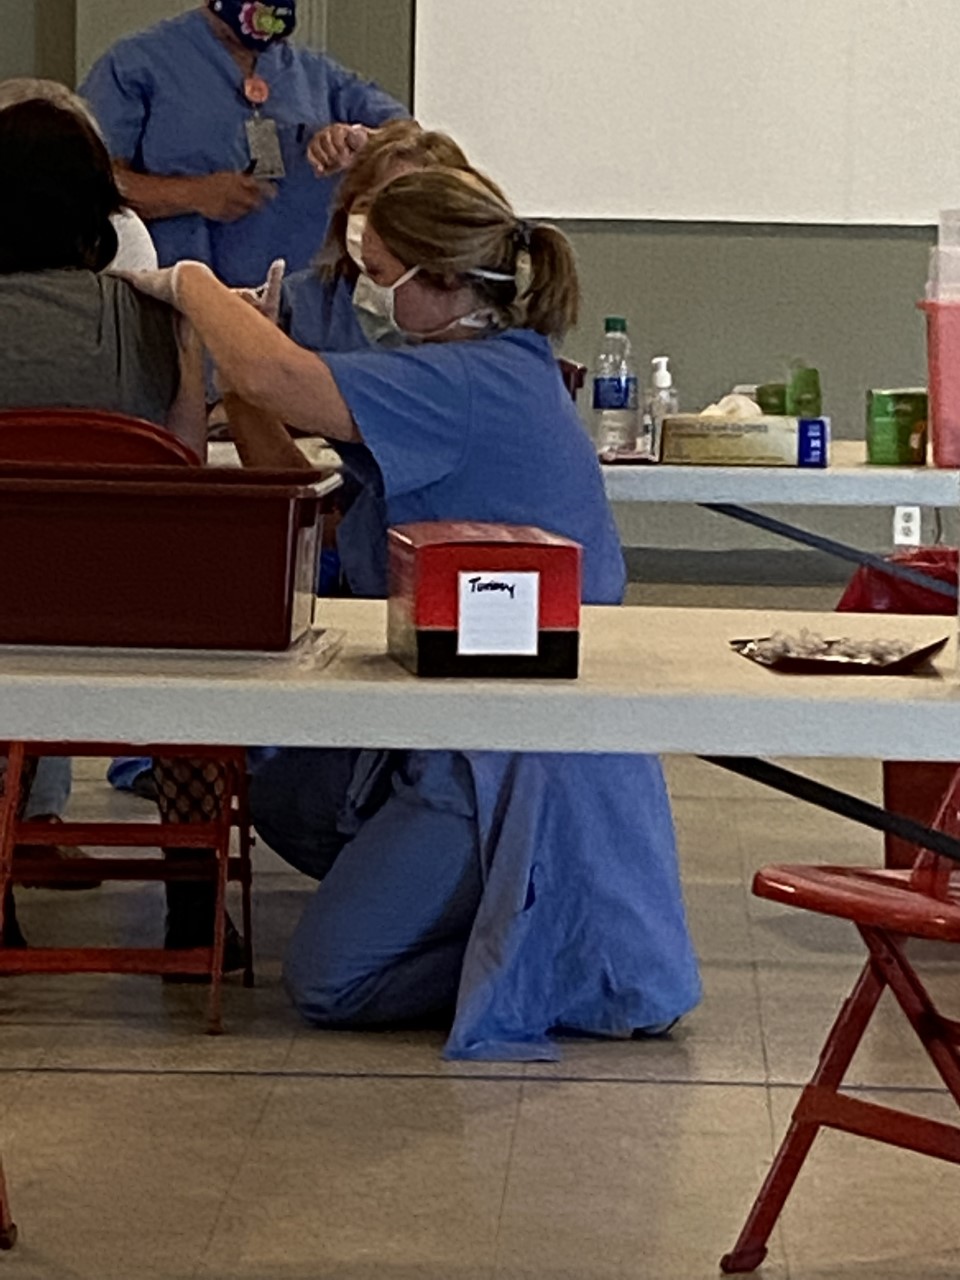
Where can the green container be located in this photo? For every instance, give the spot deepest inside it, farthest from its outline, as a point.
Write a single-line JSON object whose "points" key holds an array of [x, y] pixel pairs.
{"points": [[897, 427], [804, 397], [772, 398]]}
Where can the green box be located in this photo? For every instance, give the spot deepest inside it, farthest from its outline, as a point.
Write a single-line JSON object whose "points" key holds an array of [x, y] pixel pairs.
{"points": [[897, 427]]}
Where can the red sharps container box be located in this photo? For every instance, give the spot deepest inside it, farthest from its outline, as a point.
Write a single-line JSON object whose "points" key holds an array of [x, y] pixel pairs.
{"points": [[480, 600]]}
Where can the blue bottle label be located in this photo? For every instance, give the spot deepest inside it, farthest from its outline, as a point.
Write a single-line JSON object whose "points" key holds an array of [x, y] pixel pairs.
{"points": [[615, 393]]}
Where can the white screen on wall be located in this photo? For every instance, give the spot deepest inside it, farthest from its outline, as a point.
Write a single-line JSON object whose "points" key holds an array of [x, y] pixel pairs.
{"points": [[800, 111]]}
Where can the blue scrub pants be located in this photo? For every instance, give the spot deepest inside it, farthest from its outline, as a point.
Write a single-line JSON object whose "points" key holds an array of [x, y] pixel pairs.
{"points": [[51, 788], [383, 938]]}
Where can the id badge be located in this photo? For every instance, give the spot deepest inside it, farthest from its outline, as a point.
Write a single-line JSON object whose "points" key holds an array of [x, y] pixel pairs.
{"points": [[264, 143]]}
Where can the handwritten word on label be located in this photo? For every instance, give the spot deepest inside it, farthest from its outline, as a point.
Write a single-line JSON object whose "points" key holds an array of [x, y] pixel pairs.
{"points": [[499, 614]]}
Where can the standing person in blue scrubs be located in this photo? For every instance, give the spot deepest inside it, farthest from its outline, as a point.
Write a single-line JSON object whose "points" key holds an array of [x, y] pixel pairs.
{"points": [[516, 894], [227, 137]]}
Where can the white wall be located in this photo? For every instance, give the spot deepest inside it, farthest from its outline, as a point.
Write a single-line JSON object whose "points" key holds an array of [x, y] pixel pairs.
{"points": [[831, 112]]}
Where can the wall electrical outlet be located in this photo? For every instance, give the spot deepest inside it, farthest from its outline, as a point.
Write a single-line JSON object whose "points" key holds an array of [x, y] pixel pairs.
{"points": [[907, 527]]}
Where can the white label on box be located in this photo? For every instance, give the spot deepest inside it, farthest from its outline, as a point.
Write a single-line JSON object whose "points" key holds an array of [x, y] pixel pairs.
{"points": [[499, 614]]}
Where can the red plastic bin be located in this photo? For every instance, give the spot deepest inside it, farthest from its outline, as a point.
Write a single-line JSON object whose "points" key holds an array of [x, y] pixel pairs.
{"points": [[157, 557]]}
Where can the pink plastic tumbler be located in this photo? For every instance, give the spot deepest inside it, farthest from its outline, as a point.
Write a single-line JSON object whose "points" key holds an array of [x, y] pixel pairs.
{"points": [[943, 364]]}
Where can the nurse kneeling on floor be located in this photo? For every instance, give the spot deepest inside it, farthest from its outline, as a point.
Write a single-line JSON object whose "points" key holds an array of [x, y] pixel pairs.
{"points": [[514, 894]]}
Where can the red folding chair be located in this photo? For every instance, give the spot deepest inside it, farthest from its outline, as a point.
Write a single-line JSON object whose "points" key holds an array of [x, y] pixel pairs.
{"points": [[88, 435], [71, 436], [574, 375], [8, 1228], [888, 908]]}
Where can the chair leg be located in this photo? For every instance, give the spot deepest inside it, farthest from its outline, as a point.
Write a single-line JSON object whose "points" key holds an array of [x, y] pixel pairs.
{"points": [[922, 1014], [246, 891], [214, 1007], [9, 801], [246, 871], [8, 1228], [835, 1057]]}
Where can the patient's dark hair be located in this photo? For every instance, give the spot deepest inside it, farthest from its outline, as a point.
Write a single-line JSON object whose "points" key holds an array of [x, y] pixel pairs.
{"points": [[57, 191]]}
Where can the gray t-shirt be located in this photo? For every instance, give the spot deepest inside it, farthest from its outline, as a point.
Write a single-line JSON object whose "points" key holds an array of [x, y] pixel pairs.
{"points": [[73, 339]]}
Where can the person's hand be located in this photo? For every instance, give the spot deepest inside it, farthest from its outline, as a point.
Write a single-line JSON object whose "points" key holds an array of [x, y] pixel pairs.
{"points": [[161, 284], [266, 298], [336, 147], [229, 196]]}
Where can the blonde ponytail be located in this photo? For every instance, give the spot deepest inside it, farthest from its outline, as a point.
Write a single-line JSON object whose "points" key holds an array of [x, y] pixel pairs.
{"points": [[552, 302], [456, 226]]}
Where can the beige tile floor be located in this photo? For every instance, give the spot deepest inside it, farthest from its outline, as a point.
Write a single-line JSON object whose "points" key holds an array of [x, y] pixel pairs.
{"points": [[137, 1148]]}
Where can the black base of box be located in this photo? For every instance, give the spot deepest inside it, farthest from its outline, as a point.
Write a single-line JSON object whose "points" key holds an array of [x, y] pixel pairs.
{"points": [[436, 654]]}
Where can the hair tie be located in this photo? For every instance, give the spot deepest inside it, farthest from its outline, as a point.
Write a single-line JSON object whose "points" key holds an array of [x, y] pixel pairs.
{"points": [[523, 234]]}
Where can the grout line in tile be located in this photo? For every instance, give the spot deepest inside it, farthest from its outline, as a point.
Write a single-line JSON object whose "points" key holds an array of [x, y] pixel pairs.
{"points": [[221, 1208], [685, 1082], [497, 1244]]}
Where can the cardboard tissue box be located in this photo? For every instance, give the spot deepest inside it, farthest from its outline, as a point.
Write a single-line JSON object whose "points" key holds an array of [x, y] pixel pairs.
{"points": [[756, 441], [478, 600]]}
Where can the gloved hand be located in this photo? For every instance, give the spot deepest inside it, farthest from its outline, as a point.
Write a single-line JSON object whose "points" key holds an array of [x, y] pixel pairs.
{"points": [[162, 283], [266, 297]]}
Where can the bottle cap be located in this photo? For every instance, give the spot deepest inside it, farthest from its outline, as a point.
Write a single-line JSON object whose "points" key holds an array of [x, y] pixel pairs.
{"points": [[615, 324], [662, 377]]}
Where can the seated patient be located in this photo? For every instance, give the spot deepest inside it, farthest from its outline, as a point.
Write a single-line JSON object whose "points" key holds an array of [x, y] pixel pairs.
{"points": [[51, 788], [71, 335], [512, 894]]}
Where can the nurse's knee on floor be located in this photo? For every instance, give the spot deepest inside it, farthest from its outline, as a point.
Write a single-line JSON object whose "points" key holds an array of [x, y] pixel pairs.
{"points": [[327, 999]]}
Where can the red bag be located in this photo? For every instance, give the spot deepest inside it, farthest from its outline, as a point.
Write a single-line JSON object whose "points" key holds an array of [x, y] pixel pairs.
{"points": [[870, 591], [909, 788]]}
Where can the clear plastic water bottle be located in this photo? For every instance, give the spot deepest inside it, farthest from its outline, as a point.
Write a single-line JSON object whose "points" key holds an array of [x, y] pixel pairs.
{"points": [[615, 391]]}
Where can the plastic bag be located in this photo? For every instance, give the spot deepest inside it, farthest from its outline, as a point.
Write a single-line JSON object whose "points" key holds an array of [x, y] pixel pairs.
{"points": [[870, 591]]}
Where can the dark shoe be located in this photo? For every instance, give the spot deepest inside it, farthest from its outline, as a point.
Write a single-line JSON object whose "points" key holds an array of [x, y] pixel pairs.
{"points": [[234, 952], [144, 785], [13, 938], [27, 853], [658, 1032]]}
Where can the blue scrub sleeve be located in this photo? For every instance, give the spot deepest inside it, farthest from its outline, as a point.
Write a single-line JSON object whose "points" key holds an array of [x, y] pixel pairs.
{"points": [[413, 409], [119, 101], [354, 100]]}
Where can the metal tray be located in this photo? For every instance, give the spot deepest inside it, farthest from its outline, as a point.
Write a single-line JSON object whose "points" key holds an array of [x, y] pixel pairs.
{"points": [[836, 664]]}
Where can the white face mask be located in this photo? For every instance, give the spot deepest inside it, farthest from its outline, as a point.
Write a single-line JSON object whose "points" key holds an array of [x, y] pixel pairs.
{"points": [[375, 304], [376, 307]]}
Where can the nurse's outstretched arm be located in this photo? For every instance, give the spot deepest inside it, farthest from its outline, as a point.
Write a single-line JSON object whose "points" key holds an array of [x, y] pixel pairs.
{"points": [[187, 418], [261, 365]]}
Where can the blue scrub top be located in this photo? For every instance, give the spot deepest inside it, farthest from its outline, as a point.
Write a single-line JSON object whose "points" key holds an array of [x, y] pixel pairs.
{"points": [[318, 314], [170, 102], [482, 429]]}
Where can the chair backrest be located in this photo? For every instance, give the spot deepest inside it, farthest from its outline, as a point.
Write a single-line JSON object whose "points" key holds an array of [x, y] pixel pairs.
{"points": [[574, 375], [88, 435]]}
